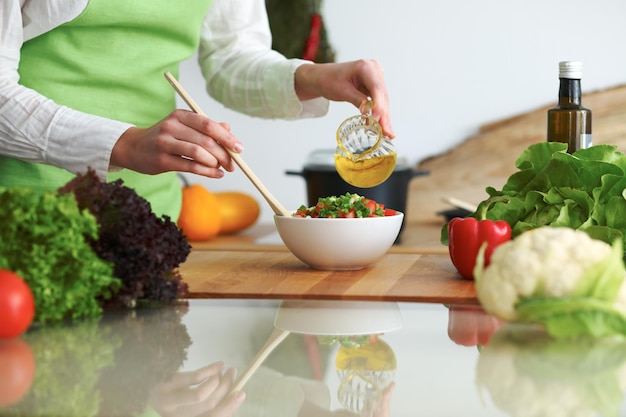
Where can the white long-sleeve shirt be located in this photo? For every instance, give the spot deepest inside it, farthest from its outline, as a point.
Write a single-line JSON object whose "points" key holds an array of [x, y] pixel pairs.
{"points": [[235, 59]]}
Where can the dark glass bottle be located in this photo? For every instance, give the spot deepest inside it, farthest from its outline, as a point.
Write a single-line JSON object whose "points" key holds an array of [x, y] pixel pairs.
{"points": [[569, 122]]}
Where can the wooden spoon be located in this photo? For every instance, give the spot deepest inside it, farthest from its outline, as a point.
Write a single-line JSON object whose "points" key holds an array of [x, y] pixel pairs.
{"points": [[272, 342], [271, 200]]}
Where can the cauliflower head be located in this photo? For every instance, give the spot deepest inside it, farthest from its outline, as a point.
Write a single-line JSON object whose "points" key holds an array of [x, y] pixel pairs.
{"points": [[552, 272], [524, 371]]}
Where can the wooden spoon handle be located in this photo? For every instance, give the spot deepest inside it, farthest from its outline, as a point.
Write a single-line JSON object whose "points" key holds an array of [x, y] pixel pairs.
{"points": [[271, 200], [274, 340]]}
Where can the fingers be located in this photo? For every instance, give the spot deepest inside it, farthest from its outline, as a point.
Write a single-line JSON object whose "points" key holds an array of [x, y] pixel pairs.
{"points": [[183, 141], [217, 131], [201, 139], [218, 388], [204, 392], [230, 404], [371, 74], [187, 379], [183, 164], [212, 397], [354, 82]]}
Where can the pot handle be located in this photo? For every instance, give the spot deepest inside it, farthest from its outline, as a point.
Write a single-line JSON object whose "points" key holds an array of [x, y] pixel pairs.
{"points": [[419, 173], [300, 174]]}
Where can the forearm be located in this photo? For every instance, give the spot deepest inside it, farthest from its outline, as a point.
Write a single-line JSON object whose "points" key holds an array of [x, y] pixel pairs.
{"points": [[242, 71], [306, 78], [35, 129]]}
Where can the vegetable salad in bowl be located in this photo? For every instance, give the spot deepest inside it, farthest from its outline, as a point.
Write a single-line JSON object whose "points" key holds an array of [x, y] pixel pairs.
{"points": [[345, 206], [346, 232]]}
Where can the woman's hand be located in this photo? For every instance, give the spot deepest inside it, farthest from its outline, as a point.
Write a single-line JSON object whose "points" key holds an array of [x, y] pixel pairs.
{"points": [[204, 392], [183, 141], [354, 82]]}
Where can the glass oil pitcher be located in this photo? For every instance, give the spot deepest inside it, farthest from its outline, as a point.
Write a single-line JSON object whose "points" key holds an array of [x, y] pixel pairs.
{"points": [[364, 157]]}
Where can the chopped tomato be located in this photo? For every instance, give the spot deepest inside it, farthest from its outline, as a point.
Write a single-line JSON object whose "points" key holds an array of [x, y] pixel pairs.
{"points": [[351, 214], [371, 205], [345, 206]]}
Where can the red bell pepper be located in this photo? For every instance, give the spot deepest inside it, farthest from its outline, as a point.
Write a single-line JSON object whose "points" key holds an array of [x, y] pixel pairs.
{"points": [[470, 325], [467, 235]]}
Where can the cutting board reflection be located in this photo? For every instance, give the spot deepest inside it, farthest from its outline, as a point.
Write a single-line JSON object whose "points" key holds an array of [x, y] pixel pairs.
{"points": [[404, 277]]}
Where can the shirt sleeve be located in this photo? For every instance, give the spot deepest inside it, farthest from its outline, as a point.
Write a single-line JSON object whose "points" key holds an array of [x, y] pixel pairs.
{"points": [[242, 71], [34, 128]]}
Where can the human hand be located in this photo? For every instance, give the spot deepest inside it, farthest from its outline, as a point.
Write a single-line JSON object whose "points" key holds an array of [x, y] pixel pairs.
{"points": [[183, 141], [354, 82], [204, 392]]}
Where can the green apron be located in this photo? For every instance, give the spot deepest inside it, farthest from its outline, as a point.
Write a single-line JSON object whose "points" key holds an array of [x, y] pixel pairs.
{"points": [[110, 61]]}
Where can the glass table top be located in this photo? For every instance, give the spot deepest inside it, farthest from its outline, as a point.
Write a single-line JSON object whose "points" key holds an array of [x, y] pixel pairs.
{"points": [[334, 359]]}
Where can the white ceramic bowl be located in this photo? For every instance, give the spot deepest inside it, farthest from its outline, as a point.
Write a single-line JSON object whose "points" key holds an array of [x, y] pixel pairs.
{"points": [[338, 318], [339, 244]]}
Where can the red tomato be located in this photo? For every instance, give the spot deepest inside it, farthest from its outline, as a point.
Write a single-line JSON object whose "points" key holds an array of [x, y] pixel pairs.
{"points": [[17, 305], [371, 205], [389, 212], [349, 215], [17, 370]]}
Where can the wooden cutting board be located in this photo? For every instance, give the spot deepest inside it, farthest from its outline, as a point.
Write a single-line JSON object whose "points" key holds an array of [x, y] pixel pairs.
{"points": [[401, 277]]}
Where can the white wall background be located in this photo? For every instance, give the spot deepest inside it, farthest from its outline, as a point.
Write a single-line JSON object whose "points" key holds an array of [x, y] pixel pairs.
{"points": [[450, 67]]}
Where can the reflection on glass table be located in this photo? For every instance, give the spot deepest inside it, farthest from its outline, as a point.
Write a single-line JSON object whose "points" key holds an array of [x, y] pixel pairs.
{"points": [[525, 372], [377, 360], [110, 367], [364, 362]]}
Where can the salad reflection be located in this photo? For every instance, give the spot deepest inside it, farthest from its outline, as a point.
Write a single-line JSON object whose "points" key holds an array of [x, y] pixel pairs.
{"points": [[364, 373], [528, 373], [348, 333]]}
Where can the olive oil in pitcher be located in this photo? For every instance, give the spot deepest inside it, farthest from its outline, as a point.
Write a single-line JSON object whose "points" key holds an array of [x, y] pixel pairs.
{"points": [[569, 122], [364, 157]]}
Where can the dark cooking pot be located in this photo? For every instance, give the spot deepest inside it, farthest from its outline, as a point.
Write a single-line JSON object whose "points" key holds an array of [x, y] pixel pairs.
{"points": [[322, 180]]}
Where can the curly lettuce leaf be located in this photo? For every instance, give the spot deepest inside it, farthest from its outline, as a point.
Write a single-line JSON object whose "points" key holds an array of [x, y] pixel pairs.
{"points": [[44, 240], [145, 249]]}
